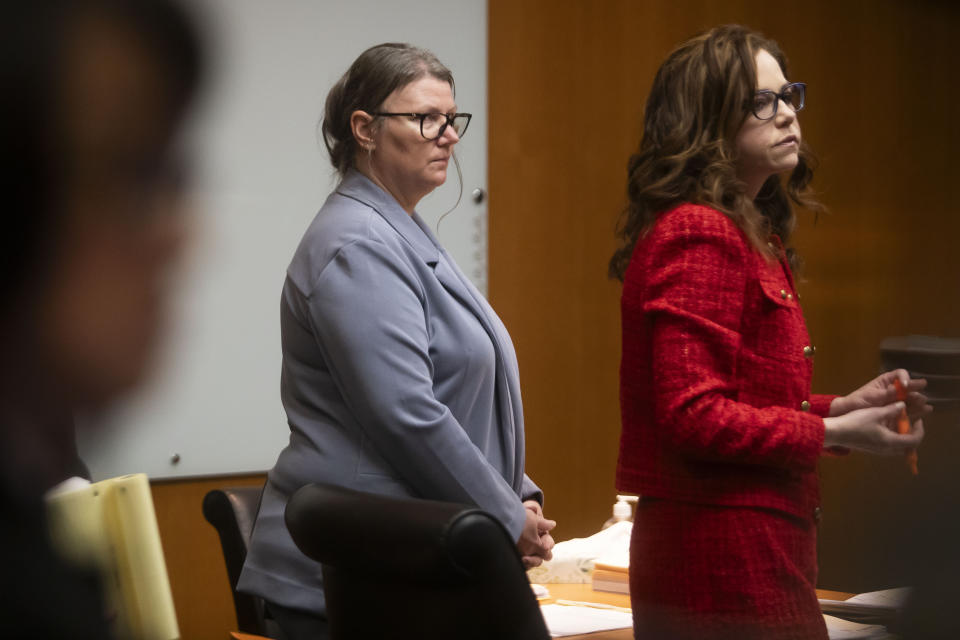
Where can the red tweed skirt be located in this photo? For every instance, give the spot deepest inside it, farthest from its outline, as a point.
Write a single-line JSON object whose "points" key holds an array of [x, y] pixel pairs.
{"points": [[723, 573]]}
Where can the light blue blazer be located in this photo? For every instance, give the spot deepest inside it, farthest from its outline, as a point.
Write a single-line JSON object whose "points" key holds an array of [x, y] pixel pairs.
{"points": [[398, 378]]}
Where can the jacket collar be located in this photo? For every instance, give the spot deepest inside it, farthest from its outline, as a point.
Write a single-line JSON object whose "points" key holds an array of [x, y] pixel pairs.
{"points": [[412, 228]]}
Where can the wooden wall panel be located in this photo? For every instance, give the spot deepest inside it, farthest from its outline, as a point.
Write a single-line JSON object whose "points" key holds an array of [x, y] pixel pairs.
{"points": [[198, 575], [568, 79]]}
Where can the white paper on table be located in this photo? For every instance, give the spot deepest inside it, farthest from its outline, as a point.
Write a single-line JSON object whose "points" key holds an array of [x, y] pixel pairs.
{"points": [[839, 629], [564, 620], [876, 606], [893, 598], [571, 620]]}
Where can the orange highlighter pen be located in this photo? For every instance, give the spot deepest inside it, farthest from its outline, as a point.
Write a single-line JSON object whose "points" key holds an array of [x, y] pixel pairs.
{"points": [[903, 425]]}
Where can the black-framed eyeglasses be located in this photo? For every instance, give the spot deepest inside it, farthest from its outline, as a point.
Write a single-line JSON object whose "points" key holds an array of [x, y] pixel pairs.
{"points": [[432, 125], [765, 101]]}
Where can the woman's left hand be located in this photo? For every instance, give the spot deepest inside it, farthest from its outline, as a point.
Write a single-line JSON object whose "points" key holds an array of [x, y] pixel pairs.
{"points": [[880, 392], [544, 527]]}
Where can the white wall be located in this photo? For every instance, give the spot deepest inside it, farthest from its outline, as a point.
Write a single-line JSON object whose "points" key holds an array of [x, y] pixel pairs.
{"points": [[214, 398]]}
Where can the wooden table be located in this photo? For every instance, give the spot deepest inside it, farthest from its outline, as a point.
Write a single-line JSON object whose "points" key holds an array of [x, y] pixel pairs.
{"points": [[585, 593]]}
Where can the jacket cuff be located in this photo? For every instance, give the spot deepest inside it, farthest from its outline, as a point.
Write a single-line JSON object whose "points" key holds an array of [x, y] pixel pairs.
{"points": [[820, 404], [517, 519], [530, 491]]}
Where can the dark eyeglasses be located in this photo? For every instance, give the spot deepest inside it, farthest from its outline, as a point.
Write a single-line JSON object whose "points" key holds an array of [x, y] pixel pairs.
{"points": [[765, 101], [432, 125]]}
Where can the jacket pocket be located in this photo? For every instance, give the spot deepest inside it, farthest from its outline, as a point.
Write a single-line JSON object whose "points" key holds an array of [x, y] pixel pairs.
{"points": [[775, 326]]}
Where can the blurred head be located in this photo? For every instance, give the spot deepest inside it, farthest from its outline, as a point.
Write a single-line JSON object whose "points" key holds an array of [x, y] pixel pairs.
{"points": [[703, 143], [368, 124], [93, 224]]}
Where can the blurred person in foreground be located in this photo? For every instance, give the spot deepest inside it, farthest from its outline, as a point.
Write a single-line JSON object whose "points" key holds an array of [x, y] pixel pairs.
{"points": [[721, 434], [398, 378], [94, 92]]}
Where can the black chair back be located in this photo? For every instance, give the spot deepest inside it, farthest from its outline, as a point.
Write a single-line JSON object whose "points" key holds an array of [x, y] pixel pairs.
{"points": [[408, 568], [232, 512]]}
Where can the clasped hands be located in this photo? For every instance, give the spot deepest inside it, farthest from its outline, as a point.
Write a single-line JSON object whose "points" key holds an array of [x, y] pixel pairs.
{"points": [[867, 418], [535, 541]]}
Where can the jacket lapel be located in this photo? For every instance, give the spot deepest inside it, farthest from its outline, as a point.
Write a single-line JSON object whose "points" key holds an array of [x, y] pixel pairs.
{"points": [[507, 382]]}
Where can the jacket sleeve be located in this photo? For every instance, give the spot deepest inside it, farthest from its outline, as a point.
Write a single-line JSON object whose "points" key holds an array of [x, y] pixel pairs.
{"points": [[820, 406], [531, 491], [368, 311], [695, 302]]}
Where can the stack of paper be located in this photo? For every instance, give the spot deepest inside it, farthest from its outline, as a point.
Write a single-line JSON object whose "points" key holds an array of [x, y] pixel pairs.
{"points": [[612, 573], [875, 607], [839, 629]]}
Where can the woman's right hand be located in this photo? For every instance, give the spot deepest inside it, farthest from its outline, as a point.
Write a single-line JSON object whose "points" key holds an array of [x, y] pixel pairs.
{"points": [[873, 430]]}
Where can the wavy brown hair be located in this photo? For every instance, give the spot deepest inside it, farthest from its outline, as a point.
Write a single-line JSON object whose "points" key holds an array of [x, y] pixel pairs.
{"points": [[700, 97]]}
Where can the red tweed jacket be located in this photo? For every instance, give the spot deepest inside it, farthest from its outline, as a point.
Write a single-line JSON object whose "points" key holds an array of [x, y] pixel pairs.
{"points": [[715, 373]]}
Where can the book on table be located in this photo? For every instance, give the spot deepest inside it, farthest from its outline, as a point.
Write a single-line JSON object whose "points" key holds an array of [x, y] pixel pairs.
{"points": [[614, 578]]}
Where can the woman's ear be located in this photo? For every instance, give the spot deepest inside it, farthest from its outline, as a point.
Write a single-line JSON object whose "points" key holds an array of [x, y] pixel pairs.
{"points": [[361, 124]]}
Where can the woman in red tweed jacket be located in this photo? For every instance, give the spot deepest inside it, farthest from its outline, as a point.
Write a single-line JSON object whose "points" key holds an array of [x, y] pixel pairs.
{"points": [[721, 435]]}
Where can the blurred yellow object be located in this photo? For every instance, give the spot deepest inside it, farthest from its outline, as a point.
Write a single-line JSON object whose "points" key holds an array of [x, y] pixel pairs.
{"points": [[111, 526]]}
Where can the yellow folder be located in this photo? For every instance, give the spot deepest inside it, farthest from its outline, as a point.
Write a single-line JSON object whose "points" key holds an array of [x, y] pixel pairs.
{"points": [[111, 525]]}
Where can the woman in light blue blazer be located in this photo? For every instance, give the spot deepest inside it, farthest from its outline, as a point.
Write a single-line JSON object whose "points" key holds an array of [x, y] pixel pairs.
{"points": [[398, 378]]}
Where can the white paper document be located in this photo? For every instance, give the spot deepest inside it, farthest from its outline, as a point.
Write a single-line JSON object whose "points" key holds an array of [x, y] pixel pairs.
{"points": [[563, 620]]}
